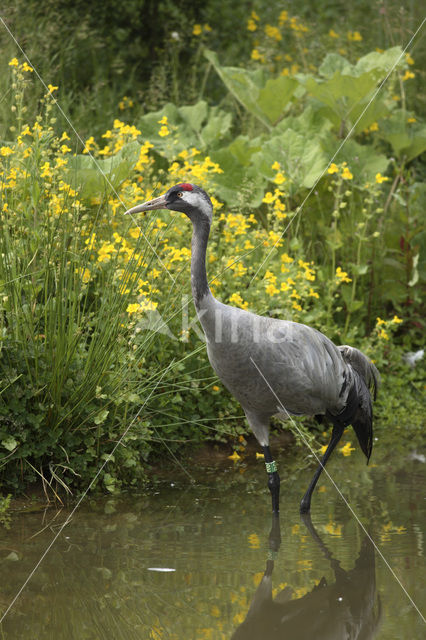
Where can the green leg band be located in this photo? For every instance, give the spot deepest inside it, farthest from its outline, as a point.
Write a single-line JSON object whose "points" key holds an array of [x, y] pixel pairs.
{"points": [[271, 467]]}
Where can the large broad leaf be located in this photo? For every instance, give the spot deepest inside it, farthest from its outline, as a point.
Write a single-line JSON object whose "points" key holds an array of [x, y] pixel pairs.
{"points": [[342, 92], [408, 139], [264, 98], [363, 162], [275, 95], [238, 173], [384, 61], [195, 125], [347, 89], [311, 122], [300, 155], [93, 177]]}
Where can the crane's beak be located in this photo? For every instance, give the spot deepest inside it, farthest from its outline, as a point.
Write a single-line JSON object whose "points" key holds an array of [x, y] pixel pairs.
{"points": [[150, 205]]}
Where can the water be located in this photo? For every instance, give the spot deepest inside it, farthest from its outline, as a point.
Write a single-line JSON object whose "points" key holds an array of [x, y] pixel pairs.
{"points": [[187, 561]]}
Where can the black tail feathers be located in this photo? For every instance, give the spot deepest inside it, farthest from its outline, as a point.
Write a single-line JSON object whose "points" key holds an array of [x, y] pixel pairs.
{"points": [[359, 410], [362, 422]]}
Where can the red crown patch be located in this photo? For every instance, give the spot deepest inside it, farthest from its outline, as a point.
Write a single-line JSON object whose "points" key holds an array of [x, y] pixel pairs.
{"points": [[185, 186]]}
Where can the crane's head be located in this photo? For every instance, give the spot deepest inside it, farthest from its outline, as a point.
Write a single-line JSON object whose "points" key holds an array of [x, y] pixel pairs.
{"points": [[186, 198]]}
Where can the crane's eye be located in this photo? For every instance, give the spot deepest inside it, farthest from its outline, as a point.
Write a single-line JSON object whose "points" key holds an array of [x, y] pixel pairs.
{"points": [[179, 194]]}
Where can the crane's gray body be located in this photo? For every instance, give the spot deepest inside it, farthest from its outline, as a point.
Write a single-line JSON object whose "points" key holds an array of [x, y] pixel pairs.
{"points": [[273, 366]]}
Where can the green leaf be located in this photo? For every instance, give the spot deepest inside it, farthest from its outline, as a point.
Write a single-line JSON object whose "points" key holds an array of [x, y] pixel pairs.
{"points": [[244, 85], [93, 177], [196, 125], [408, 139], [347, 89], [9, 443], [300, 155], [101, 416], [359, 269], [235, 161], [275, 95], [362, 160]]}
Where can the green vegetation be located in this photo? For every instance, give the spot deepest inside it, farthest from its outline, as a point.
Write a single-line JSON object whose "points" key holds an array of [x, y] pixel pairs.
{"points": [[99, 348]]}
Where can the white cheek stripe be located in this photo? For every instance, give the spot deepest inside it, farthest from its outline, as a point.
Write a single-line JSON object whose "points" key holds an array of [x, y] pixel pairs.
{"points": [[196, 200]]}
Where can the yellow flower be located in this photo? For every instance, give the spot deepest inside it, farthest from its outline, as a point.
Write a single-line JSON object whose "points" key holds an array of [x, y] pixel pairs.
{"points": [[354, 36], [411, 120], [14, 62], [283, 17], [251, 25], [256, 55], [52, 88], [254, 541], [235, 457], [90, 142], [269, 198], [323, 449], [373, 127], [333, 34], [271, 289], [133, 308], [197, 30], [346, 174], [273, 33], [409, 59], [334, 530], [347, 449], [333, 168], [85, 275], [380, 178], [6, 151], [408, 74], [383, 335], [279, 178], [46, 172], [342, 276], [237, 299], [164, 131], [397, 320], [26, 67], [215, 387], [65, 149]]}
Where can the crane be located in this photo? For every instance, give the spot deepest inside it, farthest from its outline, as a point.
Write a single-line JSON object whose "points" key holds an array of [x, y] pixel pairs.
{"points": [[272, 366]]}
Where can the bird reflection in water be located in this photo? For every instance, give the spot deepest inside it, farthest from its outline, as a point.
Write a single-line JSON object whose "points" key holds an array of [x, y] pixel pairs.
{"points": [[347, 609]]}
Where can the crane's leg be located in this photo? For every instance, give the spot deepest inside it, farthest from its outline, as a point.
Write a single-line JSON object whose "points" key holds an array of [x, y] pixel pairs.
{"points": [[273, 480], [336, 434]]}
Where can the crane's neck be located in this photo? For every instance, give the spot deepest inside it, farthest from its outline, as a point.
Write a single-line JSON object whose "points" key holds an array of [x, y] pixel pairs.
{"points": [[199, 284]]}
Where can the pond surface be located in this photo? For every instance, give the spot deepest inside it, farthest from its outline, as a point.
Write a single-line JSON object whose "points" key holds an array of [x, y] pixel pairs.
{"points": [[194, 560]]}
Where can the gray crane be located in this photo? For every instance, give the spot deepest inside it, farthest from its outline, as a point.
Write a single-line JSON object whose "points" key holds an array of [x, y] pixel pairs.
{"points": [[272, 366]]}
